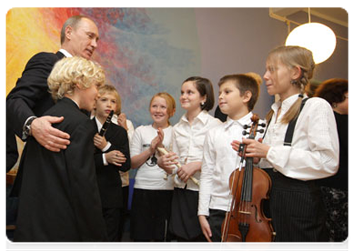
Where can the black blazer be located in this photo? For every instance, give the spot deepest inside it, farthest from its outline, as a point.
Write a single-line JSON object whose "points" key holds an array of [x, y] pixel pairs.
{"points": [[30, 96], [59, 199], [108, 177]]}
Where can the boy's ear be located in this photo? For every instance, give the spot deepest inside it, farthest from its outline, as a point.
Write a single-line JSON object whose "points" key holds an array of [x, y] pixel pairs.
{"points": [[78, 86], [247, 96]]}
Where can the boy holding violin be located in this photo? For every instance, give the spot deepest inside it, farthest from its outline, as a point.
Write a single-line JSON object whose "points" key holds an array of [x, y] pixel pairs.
{"points": [[238, 94]]}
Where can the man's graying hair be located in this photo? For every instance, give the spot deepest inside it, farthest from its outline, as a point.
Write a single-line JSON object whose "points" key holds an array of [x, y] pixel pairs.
{"points": [[72, 22]]}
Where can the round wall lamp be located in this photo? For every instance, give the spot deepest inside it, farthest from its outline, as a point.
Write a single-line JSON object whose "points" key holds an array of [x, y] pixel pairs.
{"points": [[316, 37]]}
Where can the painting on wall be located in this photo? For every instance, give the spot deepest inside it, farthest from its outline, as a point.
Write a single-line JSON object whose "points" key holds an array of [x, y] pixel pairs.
{"points": [[143, 50]]}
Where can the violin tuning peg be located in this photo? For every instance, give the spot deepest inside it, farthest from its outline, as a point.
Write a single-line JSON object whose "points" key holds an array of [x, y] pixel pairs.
{"points": [[262, 125], [246, 126], [260, 130], [245, 133]]}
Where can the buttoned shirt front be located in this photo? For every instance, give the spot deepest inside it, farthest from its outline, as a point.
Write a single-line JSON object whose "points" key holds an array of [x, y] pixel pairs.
{"points": [[314, 153], [219, 161], [188, 141]]}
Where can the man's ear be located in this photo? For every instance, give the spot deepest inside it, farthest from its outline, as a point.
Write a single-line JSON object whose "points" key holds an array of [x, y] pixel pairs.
{"points": [[68, 32]]}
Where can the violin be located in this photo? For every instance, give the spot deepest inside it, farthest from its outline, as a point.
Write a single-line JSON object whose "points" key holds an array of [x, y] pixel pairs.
{"points": [[250, 186]]}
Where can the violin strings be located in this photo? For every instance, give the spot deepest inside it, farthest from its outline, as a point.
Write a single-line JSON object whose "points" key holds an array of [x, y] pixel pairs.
{"points": [[232, 200]]}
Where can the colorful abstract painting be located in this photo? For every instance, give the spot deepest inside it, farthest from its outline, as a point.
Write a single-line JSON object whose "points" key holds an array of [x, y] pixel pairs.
{"points": [[143, 50]]}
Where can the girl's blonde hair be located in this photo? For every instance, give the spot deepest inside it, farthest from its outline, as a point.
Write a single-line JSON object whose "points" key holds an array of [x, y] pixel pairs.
{"points": [[110, 89], [170, 101], [69, 72], [293, 56]]}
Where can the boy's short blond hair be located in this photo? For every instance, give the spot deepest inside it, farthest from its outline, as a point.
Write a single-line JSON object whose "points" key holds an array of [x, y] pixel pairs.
{"points": [[69, 72], [110, 89]]}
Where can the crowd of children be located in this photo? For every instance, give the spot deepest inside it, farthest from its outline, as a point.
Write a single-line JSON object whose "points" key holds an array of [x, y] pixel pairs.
{"points": [[183, 194]]}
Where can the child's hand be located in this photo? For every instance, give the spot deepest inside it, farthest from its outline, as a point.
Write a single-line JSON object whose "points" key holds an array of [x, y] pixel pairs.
{"points": [[122, 121], [116, 158], [168, 162], [157, 141], [161, 135], [99, 141], [204, 225], [186, 171]]}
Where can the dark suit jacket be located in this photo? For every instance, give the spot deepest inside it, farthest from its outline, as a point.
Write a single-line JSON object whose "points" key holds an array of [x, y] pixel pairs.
{"points": [[30, 96], [59, 199], [108, 177], [11, 148]]}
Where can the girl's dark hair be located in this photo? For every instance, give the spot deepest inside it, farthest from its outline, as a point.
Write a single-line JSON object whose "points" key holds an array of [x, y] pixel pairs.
{"points": [[244, 83], [204, 87], [333, 90]]}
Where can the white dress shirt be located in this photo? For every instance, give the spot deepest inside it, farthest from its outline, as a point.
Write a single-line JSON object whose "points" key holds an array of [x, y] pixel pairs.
{"points": [[219, 161], [314, 153], [66, 53], [188, 141]]}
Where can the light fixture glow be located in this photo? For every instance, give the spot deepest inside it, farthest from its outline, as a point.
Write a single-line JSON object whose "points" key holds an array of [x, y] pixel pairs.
{"points": [[316, 37]]}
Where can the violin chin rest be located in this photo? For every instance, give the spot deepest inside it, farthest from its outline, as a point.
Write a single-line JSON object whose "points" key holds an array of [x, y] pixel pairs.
{"points": [[234, 242]]}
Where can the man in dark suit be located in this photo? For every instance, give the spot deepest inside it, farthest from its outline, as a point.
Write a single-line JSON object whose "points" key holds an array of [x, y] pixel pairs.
{"points": [[30, 98]]}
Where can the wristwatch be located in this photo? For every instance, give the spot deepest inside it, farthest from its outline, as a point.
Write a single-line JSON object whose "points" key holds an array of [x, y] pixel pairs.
{"points": [[27, 127]]}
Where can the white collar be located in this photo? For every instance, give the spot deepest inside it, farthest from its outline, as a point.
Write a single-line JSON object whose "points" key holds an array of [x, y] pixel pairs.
{"points": [[202, 116], [245, 120], [66, 53]]}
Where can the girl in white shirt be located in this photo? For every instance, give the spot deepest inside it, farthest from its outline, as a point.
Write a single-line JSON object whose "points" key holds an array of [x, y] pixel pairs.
{"points": [[197, 97], [151, 204], [295, 204]]}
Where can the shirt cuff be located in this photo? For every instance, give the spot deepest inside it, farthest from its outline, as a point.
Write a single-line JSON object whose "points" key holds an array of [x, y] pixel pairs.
{"points": [[104, 159], [106, 147]]}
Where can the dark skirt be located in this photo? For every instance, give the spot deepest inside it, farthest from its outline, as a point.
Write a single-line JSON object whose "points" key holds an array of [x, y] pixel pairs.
{"points": [[297, 210], [336, 202], [150, 214], [184, 222]]}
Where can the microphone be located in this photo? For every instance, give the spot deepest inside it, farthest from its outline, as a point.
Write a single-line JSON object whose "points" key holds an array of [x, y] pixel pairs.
{"points": [[106, 124]]}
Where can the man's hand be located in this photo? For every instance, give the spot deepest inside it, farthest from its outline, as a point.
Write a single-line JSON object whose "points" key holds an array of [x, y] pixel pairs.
{"points": [[49, 137]]}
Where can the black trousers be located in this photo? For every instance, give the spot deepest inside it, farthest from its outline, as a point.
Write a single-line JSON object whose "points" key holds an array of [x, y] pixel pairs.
{"points": [[297, 210], [215, 219], [112, 218]]}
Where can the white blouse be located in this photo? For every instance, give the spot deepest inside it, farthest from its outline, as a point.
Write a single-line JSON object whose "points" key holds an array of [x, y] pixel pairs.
{"points": [[188, 141], [314, 153], [219, 161]]}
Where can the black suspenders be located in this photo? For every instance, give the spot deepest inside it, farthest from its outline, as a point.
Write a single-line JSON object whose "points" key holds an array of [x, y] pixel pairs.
{"points": [[291, 127]]}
